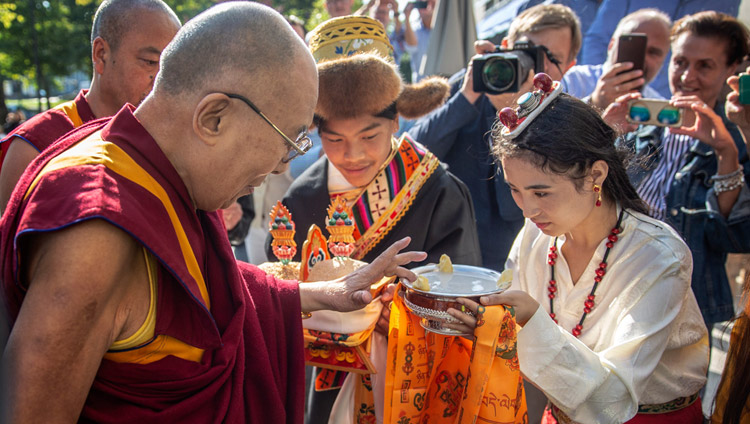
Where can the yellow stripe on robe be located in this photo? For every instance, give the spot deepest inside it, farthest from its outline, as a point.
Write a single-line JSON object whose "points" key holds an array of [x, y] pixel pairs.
{"points": [[95, 151], [92, 151], [70, 109]]}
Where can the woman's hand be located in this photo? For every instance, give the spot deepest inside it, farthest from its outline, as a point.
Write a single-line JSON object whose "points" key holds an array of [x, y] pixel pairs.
{"points": [[707, 126], [616, 113], [524, 305]]}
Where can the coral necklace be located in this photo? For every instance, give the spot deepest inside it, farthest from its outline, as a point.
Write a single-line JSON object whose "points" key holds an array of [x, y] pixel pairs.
{"points": [[588, 305]]}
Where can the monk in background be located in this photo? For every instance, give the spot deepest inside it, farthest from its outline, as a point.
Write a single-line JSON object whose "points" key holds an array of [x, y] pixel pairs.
{"points": [[127, 38]]}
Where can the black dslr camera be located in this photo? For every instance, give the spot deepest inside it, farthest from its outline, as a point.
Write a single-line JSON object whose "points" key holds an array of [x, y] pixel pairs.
{"points": [[505, 70]]}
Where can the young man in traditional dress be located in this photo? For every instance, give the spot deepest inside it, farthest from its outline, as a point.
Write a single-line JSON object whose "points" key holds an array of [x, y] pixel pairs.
{"points": [[396, 187], [127, 38], [126, 302]]}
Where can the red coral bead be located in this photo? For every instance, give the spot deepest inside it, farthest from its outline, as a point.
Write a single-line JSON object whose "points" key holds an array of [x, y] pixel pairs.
{"points": [[615, 231], [552, 282], [551, 261], [586, 310], [603, 265], [552, 289], [553, 249], [612, 238], [589, 304], [543, 82], [591, 297], [551, 295], [600, 272], [579, 327], [552, 255], [598, 279], [576, 332], [508, 117], [609, 244], [552, 315]]}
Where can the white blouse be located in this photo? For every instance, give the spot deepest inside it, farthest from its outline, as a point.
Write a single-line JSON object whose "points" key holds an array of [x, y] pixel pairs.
{"points": [[644, 342]]}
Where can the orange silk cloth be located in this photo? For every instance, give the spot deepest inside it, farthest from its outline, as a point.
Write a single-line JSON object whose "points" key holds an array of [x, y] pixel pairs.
{"points": [[439, 379]]}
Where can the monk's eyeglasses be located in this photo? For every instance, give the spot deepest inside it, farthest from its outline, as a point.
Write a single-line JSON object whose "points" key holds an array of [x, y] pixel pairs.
{"points": [[299, 147]]}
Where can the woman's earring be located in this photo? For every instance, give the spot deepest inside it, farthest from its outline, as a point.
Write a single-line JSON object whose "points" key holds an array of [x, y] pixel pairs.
{"points": [[598, 190]]}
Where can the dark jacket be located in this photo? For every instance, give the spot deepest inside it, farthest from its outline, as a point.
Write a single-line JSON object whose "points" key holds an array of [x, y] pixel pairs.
{"points": [[458, 133], [440, 219], [692, 209]]}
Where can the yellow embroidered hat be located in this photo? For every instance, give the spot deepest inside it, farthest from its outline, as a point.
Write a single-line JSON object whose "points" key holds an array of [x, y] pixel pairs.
{"points": [[344, 36], [357, 74]]}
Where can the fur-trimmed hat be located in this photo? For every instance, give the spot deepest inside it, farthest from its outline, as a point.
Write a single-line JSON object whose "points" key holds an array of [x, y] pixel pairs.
{"points": [[357, 78]]}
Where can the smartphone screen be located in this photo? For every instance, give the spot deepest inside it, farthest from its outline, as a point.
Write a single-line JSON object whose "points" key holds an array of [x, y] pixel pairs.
{"points": [[745, 89], [420, 4], [632, 48]]}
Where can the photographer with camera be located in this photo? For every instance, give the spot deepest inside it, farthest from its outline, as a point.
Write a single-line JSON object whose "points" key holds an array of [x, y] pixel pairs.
{"points": [[458, 133], [599, 85]]}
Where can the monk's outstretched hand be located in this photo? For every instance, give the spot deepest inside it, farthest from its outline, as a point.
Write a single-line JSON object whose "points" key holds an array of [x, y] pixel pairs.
{"points": [[352, 291]]}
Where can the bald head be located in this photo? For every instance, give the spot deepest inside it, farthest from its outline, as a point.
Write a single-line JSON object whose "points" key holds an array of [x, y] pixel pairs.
{"points": [[114, 18], [229, 41], [235, 89], [632, 21]]}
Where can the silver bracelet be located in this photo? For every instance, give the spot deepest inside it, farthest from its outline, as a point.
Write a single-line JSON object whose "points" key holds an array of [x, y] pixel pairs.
{"points": [[729, 176], [720, 186]]}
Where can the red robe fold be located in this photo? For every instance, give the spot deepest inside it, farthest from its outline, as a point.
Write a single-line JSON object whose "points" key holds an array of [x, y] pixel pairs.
{"points": [[41, 130], [246, 322]]}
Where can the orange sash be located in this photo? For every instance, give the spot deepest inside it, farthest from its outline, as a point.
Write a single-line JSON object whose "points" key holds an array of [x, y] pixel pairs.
{"points": [[438, 379]]}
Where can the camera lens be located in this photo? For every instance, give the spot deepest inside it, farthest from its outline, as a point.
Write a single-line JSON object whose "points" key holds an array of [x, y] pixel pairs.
{"points": [[498, 74]]}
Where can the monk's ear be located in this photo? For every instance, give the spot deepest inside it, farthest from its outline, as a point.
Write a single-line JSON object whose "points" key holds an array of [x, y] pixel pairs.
{"points": [[210, 116], [100, 54]]}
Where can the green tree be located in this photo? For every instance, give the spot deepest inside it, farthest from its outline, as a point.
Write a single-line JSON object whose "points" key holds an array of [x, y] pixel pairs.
{"points": [[44, 39]]}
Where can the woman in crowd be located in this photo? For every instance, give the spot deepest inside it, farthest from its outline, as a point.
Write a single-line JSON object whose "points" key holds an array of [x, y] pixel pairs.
{"points": [[611, 330], [733, 397]]}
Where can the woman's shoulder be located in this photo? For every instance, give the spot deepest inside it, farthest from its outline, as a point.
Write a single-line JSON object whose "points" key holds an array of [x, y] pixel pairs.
{"points": [[654, 236]]}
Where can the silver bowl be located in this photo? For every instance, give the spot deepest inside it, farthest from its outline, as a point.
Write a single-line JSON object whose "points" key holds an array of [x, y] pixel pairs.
{"points": [[445, 288]]}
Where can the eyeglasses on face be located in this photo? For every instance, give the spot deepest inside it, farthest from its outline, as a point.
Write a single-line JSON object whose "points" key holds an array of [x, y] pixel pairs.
{"points": [[299, 146]]}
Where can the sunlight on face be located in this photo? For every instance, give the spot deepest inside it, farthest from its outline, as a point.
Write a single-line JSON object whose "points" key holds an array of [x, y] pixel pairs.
{"points": [[357, 147], [550, 201]]}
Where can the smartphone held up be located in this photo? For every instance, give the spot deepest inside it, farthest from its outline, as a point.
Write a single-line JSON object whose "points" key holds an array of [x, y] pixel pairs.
{"points": [[632, 48], [653, 112]]}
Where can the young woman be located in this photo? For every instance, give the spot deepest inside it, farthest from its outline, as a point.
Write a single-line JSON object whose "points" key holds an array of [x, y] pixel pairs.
{"points": [[611, 330]]}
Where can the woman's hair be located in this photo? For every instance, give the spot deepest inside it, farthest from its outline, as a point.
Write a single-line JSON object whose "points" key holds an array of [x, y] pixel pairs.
{"points": [[735, 380], [712, 24], [566, 139]]}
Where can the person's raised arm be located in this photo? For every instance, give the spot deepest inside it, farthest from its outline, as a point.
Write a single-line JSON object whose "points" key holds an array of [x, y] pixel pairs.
{"points": [[409, 36], [710, 129], [87, 287]]}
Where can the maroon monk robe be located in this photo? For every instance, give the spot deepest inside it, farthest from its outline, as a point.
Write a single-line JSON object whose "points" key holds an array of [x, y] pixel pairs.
{"points": [[41, 130], [245, 323]]}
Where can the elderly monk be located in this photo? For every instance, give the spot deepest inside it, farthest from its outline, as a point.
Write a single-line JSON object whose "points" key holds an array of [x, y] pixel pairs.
{"points": [[126, 302], [127, 39]]}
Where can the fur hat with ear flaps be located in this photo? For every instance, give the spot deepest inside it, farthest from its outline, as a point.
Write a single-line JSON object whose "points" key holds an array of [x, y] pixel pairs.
{"points": [[357, 75]]}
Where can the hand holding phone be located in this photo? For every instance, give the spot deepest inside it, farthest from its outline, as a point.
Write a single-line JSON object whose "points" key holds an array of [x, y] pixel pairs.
{"points": [[653, 112]]}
